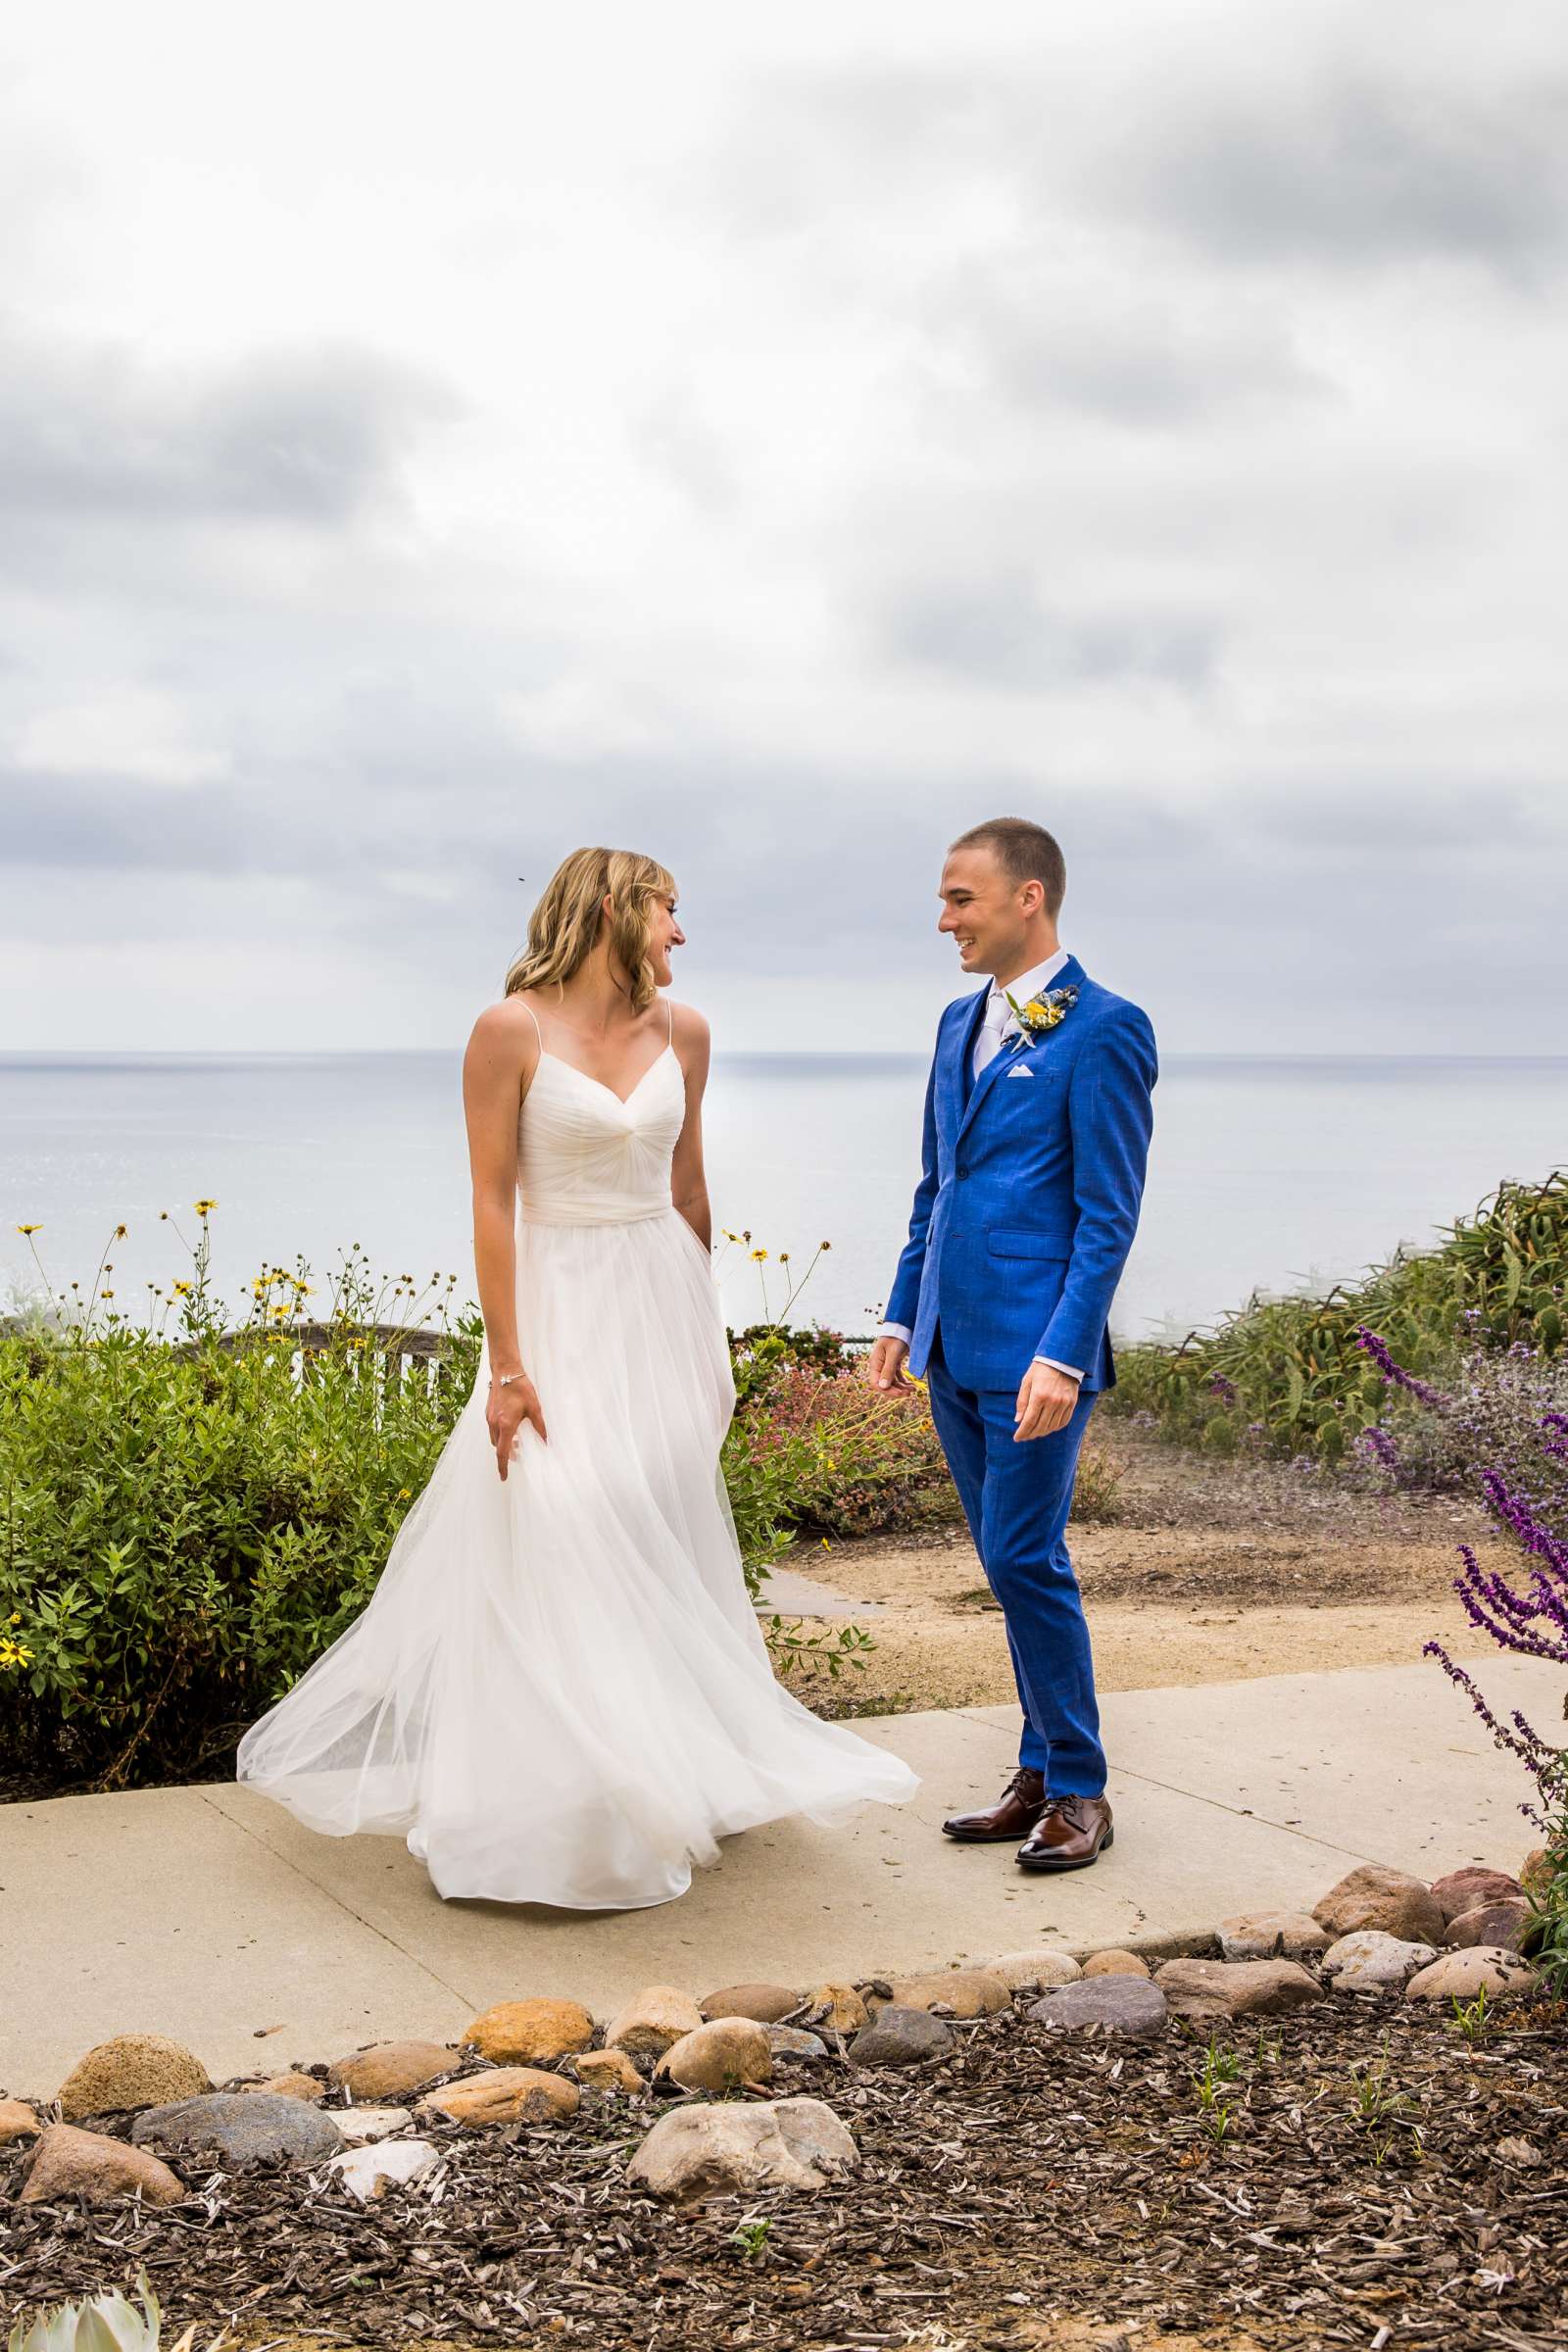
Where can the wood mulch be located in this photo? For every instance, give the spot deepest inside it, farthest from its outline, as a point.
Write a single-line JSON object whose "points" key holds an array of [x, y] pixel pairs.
{"points": [[1355, 2175]]}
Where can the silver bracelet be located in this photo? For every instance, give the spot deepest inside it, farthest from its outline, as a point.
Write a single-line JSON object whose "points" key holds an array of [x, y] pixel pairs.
{"points": [[505, 1379]]}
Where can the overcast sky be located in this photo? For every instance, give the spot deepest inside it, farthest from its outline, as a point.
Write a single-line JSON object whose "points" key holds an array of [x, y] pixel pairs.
{"points": [[435, 436]]}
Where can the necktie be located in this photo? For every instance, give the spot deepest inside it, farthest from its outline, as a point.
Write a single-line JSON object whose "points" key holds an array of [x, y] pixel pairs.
{"points": [[988, 1045]]}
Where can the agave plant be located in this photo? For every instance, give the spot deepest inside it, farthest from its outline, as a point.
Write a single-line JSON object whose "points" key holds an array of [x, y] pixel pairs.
{"points": [[105, 2323]]}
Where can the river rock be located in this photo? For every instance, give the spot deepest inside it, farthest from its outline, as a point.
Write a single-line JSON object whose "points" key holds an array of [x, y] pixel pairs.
{"points": [[1535, 1871], [1389, 1900], [722, 2055], [701, 2151], [965, 1992], [357, 2127], [505, 2094], [1480, 1968], [899, 2036], [244, 2130], [1272, 1935], [1116, 2003], [1116, 1964], [390, 2070], [69, 2163], [610, 2071], [652, 2022], [1503, 1925], [292, 2086], [1370, 1962], [1203, 1988], [133, 2070], [765, 2004], [793, 2042], [1045, 1966], [841, 2008], [369, 2172], [17, 2121], [525, 2033], [1462, 1889]]}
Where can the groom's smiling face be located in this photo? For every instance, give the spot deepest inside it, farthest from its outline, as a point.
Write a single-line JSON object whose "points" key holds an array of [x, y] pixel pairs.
{"points": [[991, 917]]}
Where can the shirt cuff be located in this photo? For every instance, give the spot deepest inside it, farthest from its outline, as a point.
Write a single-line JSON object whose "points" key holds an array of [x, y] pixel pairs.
{"points": [[896, 1330], [1071, 1371]]}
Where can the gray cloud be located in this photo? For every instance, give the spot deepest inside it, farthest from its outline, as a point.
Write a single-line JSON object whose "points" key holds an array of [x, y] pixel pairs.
{"points": [[310, 436], [1002, 632]]}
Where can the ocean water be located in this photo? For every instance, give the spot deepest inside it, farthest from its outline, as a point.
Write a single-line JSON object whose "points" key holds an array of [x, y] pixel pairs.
{"points": [[1265, 1174]]}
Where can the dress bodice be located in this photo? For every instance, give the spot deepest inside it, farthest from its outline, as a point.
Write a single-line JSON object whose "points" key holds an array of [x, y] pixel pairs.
{"points": [[585, 1156]]}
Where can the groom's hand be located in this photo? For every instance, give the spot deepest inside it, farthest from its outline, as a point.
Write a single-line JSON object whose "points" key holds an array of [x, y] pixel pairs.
{"points": [[1046, 1403], [885, 1367]]}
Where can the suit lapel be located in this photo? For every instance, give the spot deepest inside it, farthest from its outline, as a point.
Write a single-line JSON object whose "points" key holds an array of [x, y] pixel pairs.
{"points": [[1071, 975]]}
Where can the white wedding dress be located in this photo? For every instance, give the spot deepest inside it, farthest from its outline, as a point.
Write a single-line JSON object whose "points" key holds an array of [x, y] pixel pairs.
{"points": [[558, 1692]]}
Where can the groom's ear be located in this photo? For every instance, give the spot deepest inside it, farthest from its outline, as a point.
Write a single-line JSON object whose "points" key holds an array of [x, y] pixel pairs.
{"points": [[1031, 897]]}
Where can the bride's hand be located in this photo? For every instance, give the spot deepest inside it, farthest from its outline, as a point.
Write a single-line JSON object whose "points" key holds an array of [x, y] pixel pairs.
{"points": [[505, 1414]]}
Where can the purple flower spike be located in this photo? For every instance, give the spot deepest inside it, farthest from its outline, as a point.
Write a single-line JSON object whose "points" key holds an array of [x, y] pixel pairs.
{"points": [[1383, 1357]]}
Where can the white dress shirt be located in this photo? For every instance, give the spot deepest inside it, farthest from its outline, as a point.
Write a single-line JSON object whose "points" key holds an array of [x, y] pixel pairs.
{"points": [[998, 1024]]}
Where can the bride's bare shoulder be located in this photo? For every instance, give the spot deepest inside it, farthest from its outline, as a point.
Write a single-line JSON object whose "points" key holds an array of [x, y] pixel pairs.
{"points": [[505, 1032], [689, 1032]]}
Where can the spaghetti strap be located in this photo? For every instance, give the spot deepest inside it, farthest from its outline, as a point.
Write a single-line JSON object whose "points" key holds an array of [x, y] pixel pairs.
{"points": [[669, 1019], [535, 1017]]}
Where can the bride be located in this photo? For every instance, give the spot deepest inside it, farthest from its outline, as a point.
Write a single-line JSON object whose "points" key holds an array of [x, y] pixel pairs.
{"points": [[558, 1692]]}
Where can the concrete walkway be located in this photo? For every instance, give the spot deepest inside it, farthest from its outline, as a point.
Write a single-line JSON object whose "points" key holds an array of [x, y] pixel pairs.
{"points": [[207, 1915]]}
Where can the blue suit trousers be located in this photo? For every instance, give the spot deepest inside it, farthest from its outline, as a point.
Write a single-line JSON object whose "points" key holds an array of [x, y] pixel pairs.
{"points": [[1016, 1500]]}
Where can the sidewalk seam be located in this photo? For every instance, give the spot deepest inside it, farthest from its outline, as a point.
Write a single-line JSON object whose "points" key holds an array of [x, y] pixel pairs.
{"points": [[333, 1896]]}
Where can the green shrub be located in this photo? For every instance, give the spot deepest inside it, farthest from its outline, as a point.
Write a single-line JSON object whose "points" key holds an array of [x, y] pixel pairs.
{"points": [[1289, 1374]]}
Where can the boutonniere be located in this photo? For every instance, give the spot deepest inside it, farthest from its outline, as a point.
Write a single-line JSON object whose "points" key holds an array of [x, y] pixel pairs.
{"points": [[1041, 1014]]}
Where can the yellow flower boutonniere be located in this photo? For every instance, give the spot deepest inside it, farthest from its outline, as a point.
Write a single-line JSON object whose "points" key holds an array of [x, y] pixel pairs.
{"points": [[1041, 1014]]}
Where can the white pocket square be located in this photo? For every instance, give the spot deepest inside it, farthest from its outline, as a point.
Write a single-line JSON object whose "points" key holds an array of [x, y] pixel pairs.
{"points": [[1020, 1072]]}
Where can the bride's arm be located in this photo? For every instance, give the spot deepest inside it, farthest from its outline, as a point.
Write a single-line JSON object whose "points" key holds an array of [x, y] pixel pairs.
{"points": [[688, 1180], [502, 1056]]}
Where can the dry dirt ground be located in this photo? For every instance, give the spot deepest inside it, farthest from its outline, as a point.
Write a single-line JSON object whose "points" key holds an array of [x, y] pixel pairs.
{"points": [[1211, 1572]]}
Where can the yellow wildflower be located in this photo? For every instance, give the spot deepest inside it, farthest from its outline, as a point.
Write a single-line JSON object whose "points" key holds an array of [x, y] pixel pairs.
{"points": [[404, 1495], [182, 1289], [758, 1256], [26, 1229], [204, 1208]]}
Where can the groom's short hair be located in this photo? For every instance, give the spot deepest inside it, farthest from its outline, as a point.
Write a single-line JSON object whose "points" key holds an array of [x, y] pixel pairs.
{"points": [[1025, 852]]}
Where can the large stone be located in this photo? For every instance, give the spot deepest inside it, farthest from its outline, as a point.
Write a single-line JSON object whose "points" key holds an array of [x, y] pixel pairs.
{"points": [[653, 2021], [1044, 1966], [765, 2004], [292, 2086], [1370, 1962], [525, 2033], [1201, 1988], [1117, 2004], [69, 2163], [723, 2056], [701, 2151], [390, 2070], [1272, 1935], [357, 2127], [244, 2128], [1389, 1900], [1537, 1870], [17, 2121], [1116, 1964], [369, 2172], [133, 2070], [899, 2036], [505, 2094], [841, 2008], [962, 1992], [793, 2042], [608, 2071], [1462, 1889], [1480, 1968], [1503, 1925]]}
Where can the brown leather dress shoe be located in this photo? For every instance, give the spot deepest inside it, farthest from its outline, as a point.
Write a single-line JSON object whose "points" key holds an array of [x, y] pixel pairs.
{"points": [[1016, 1810], [1068, 1835]]}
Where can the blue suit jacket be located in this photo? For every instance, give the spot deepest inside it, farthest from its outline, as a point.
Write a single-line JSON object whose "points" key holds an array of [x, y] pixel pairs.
{"points": [[1029, 1198]]}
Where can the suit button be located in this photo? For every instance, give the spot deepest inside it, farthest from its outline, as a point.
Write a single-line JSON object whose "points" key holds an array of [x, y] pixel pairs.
{"points": [[962, 1173]]}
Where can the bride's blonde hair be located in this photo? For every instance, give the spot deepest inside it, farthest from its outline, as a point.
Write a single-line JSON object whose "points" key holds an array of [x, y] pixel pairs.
{"points": [[563, 928]]}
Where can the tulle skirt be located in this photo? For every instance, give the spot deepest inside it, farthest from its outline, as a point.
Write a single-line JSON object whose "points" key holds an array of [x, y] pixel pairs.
{"points": [[558, 1692]]}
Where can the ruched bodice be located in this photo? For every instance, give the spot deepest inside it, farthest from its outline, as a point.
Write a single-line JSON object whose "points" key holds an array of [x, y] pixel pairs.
{"points": [[586, 1157]]}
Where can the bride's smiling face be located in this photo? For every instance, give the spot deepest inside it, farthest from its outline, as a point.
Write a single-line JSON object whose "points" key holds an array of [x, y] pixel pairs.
{"points": [[664, 934]]}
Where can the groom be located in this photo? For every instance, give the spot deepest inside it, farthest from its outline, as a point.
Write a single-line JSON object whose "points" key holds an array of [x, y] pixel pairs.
{"points": [[1037, 1126]]}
